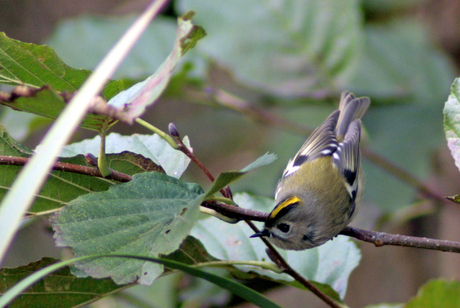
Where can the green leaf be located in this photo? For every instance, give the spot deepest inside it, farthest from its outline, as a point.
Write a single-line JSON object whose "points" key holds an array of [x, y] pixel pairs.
{"points": [[225, 178], [437, 293], [62, 187], [60, 288], [309, 45], [66, 290], [329, 264], [149, 146], [150, 215], [136, 99], [38, 65], [232, 286], [239, 289], [452, 121]]}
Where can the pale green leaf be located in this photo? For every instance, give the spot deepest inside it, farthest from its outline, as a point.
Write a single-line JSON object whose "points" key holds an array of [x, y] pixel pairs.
{"points": [[174, 162], [149, 216]]}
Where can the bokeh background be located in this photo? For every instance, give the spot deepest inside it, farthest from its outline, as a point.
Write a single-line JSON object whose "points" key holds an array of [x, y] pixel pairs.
{"points": [[286, 63]]}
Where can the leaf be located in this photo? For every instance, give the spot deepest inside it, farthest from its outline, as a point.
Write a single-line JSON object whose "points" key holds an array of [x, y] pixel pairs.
{"points": [[38, 65], [60, 288], [437, 293], [310, 45], [452, 121], [62, 187], [48, 103], [225, 178], [232, 286], [237, 288], [151, 215], [149, 146], [329, 264], [66, 290], [136, 99]]}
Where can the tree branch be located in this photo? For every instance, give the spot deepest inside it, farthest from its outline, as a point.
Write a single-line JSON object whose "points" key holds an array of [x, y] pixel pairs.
{"points": [[60, 166], [380, 239]]}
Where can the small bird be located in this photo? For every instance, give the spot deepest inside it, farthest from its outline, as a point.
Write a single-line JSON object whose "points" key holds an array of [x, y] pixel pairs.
{"points": [[318, 193]]}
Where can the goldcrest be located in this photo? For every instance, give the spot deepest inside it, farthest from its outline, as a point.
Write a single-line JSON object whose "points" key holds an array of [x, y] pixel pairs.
{"points": [[317, 195]]}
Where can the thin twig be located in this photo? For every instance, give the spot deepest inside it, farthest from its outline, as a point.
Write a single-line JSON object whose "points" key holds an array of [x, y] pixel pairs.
{"points": [[60, 166], [380, 239], [226, 192], [233, 211]]}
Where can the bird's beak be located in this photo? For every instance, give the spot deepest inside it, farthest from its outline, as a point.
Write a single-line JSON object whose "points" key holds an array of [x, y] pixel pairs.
{"points": [[264, 232]]}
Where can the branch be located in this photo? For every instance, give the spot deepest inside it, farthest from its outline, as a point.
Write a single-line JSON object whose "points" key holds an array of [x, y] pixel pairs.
{"points": [[380, 239], [226, 192], [59, 166]]}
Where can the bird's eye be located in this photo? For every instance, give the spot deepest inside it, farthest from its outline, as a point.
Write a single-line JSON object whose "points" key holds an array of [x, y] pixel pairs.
{"points": [[283, 227]]}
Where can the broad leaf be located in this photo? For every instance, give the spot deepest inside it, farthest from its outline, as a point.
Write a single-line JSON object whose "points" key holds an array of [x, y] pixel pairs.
{"points": [[232, 286], [149, 146], [62, 187], [329, 264], [151, 215], [66, 290], [38, 65], [60, 288]]}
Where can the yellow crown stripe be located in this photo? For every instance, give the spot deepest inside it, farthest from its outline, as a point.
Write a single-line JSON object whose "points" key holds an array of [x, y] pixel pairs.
{"points": [[282, 205]]}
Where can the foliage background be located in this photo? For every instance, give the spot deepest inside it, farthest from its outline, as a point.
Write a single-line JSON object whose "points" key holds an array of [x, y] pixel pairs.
{"points": [[406, 56]]}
